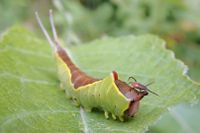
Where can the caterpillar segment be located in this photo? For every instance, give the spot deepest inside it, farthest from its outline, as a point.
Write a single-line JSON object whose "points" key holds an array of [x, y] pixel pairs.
{"points": [[116, 98]]}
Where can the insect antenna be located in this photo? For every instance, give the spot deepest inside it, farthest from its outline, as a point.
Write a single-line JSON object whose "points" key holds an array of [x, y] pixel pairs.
{"points": [[149, 83], [44, 31], [150, 90], [132, 78]]}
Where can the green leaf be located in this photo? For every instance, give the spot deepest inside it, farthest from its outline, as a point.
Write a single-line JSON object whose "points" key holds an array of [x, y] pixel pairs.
{"points": [[190, 54], [180, 119], [30, 99]]}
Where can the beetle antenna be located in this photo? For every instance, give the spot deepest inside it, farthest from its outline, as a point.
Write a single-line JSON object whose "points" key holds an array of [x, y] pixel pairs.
{"points": [[149, 83], [152, 92], [44, 31], [53, 26], [132, 78]]}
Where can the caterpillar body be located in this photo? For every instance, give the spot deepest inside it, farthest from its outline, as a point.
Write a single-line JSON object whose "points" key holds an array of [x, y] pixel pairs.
{"points": [[109, 94]]}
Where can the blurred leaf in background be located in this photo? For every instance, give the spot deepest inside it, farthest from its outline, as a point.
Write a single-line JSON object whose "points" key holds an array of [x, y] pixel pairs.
{"points": [[13, 12], [21, 12], [178, 22], [179, 119], [92, 19]]}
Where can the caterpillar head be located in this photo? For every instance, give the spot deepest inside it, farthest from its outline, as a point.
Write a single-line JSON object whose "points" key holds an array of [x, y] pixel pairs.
{"points": [[139, 91], [134, 91]]}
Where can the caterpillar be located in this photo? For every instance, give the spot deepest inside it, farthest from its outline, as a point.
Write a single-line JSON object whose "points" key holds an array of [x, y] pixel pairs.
{"points": [[115, 97]]}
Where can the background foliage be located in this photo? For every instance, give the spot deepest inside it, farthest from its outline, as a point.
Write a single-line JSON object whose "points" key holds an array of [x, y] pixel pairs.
{"points": [[177, 22]]}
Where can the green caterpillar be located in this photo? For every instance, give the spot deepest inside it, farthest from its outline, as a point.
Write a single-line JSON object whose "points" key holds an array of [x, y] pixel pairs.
{"points": [[110, 94]]}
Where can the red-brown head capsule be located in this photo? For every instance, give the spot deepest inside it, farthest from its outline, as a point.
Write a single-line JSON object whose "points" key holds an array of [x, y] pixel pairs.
{"points": [[138, 92]]}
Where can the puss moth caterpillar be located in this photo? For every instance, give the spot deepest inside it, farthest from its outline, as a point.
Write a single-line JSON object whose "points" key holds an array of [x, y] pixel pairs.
{"points": [[109, 94]]}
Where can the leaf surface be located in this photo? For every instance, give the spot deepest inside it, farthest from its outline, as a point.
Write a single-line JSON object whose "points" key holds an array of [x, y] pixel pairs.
{"points": [[30, 99]]}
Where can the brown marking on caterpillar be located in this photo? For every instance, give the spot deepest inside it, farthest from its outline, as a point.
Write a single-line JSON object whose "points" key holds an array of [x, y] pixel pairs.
{"points": [[132, 94], [79, 78], [115, 75]]}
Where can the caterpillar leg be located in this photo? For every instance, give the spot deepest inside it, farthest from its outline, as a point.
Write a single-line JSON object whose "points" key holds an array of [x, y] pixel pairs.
{"points": [[88, 109], [75, 101], [114, 117], [106, 114], [121, 118], [67, 95], [62, 87]]}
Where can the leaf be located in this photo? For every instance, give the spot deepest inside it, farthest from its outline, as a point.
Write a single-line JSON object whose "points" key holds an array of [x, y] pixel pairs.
{"points": [[30, 99], [180, 119], [190, 54]]}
